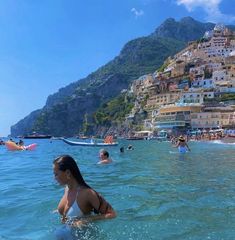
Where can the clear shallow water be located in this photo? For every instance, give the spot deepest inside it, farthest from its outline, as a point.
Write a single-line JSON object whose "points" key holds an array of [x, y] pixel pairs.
{"points": [[157, 193]]}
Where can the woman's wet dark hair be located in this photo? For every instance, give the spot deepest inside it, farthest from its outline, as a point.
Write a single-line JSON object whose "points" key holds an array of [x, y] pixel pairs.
{"points": [[66, 162]]}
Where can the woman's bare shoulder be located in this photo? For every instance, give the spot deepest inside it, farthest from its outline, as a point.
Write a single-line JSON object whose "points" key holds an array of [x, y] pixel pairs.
{"points": [[88, 192]]}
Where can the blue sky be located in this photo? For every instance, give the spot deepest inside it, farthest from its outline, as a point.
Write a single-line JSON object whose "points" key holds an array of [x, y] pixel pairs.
{"points": [[47, 44]]}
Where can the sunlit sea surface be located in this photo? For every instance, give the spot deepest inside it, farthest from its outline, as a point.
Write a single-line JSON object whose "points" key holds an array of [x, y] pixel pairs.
{"points": [[157, 192]]}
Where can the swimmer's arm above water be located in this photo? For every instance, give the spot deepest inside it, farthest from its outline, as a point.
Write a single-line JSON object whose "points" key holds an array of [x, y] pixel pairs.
{"points": [[176, 145], [188, 147]]}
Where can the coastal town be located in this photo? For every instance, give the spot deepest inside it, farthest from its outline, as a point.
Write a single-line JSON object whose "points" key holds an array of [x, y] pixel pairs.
{"points": [[118, 120], [192, 91]]}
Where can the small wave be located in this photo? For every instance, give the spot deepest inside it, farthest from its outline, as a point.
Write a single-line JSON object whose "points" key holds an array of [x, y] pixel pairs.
{"points": [[173, 152], [221, 142]]}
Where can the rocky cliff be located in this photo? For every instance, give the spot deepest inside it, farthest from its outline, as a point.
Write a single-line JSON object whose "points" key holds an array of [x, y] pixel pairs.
{"points": [[72, 108]]}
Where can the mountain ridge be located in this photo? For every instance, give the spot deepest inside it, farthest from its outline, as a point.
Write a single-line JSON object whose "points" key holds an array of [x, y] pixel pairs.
{"points": [[187, 29], [65, 110]]}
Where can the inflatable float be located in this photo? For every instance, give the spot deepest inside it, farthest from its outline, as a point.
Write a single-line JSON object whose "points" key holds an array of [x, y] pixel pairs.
{"points": [[13, 146]]}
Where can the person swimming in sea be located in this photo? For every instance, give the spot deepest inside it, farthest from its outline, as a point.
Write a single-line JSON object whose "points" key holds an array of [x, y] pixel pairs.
{"points": [[130, 147], [104, 157], [182, 145], [80, 203], [121, 149]]}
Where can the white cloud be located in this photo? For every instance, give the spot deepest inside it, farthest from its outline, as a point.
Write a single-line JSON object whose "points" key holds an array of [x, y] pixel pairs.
{"points": [[211, 7], [137, 13]]}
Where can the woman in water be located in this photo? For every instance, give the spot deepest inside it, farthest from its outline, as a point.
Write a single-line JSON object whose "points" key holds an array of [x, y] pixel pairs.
{"points": [[182, 145], [79, 200]]}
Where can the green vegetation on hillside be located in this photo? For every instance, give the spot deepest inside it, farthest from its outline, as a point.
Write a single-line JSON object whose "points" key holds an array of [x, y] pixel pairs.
{"points": [[227, 97], [222, 98], [114, 111], [138, 57], [41, 124]]}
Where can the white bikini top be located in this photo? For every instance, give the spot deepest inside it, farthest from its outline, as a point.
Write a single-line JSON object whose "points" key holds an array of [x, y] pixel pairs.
{"points": [[74, 210]]}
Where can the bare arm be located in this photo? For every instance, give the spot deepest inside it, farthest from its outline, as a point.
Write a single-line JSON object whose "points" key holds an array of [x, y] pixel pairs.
{"points": [[103, 209], [106, 161], [177, 144], [61, 206]]}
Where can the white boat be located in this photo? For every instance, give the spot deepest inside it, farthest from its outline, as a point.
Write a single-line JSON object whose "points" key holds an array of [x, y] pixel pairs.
{"points": [[89, 144], [162, 136]]}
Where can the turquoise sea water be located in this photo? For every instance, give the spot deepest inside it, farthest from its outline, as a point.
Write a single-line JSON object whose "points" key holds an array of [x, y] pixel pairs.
{"points": [[157, 193]]}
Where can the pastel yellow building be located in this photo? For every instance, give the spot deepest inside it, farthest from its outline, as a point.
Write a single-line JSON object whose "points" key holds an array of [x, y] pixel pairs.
{"points": [[162, 99], [175, 116], [223, 117]]}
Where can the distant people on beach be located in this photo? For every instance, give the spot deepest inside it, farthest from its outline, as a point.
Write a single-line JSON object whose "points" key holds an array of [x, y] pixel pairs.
{"points": [[79, 201], [130, 147], [182, 145], [174, 140], [104, 157]]}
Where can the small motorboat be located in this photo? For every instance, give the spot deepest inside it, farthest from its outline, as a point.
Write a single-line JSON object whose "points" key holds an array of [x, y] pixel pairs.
{"points": [[90, 144]]}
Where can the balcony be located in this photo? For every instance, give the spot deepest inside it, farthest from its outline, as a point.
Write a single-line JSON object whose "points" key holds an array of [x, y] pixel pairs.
{"points": [[173, 124]]}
